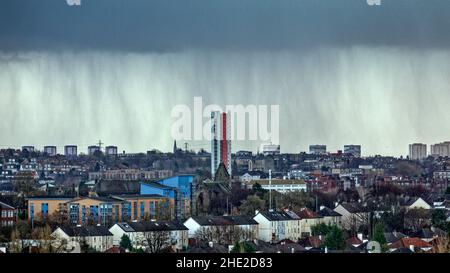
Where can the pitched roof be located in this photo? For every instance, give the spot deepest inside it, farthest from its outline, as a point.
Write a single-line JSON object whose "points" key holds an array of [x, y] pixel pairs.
{"points": [[408, 201], [290, 248], [403, 250], [152, 226], [116, 249], [353, 241], [406, 242], [277, 216], [327, 212], [5, 206], [354, 207], [306, 213], [87, 231], [427, 233], [224, 220], [312, 241], [392, 237]]}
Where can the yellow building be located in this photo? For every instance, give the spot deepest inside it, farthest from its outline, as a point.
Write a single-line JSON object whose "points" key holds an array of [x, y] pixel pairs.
{"points": [[101, 210], [40, 207]]}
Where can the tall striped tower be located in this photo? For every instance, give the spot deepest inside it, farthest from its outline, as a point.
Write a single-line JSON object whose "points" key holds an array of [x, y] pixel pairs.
{"points": [[220, 141]]}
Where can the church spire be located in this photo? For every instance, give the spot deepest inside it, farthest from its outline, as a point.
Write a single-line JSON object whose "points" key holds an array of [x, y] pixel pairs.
{"points": [[174, 146]]}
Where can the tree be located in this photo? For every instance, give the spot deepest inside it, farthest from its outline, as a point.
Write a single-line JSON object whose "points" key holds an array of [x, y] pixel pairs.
{"points": [[447, 191], [155, 241], [258, 189], [320, 229], [20, 233], [417, 218], [42, 235], [224, 234], [394, 221], [251, 204], [293, 200], [378, 235], [335, 238], [441, 245], [125, 242], [438, 219], [243, 247]]}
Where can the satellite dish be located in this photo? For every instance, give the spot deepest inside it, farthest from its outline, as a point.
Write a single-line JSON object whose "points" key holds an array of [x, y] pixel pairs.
{"points": [[373, 247]]}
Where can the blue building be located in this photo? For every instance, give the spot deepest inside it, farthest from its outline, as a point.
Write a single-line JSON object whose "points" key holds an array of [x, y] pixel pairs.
{"points": [[177, 188]]}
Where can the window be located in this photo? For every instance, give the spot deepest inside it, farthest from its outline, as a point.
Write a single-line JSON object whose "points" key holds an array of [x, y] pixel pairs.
{"points": [[142, 210], [32, 211], [83, 215], [74, 213], [44, 209], [152, 209], [135, 210]]}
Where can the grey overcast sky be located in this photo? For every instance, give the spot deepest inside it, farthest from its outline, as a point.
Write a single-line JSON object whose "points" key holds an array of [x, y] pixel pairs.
{"points": [[342, 71], [162, 25]]}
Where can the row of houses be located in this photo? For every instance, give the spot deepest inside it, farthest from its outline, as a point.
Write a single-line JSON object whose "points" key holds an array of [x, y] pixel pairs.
{"points": [[265, 226]]}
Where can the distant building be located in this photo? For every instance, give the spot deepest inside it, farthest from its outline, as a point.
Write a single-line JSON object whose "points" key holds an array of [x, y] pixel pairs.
{"points": [[270, 149], [130, 174], [8, 215], [281, 185], [111, 150], [70, 150], [92, 149], [317, 149], [177, 188], [417, 151], [354, 150], [220, 141], [50, 150], [440, 149], [99, 210], [29, 149]]}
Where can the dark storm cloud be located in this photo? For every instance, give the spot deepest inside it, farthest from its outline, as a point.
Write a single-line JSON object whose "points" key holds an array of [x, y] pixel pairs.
{"points": [[167, 25]]}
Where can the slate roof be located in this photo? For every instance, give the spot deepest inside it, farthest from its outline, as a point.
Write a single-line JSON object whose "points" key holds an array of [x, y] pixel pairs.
{"points": [[5, 206], [87, 231], [354, 207], [224, 220], [408, 201], [152, 226], [327, 212], [277, 216], [427, 233], [392, 237]]}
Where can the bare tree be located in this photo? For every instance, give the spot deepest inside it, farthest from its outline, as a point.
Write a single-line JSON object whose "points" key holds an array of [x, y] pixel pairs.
{"points": [[441, 245], [224, 234], [154, 241]]}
